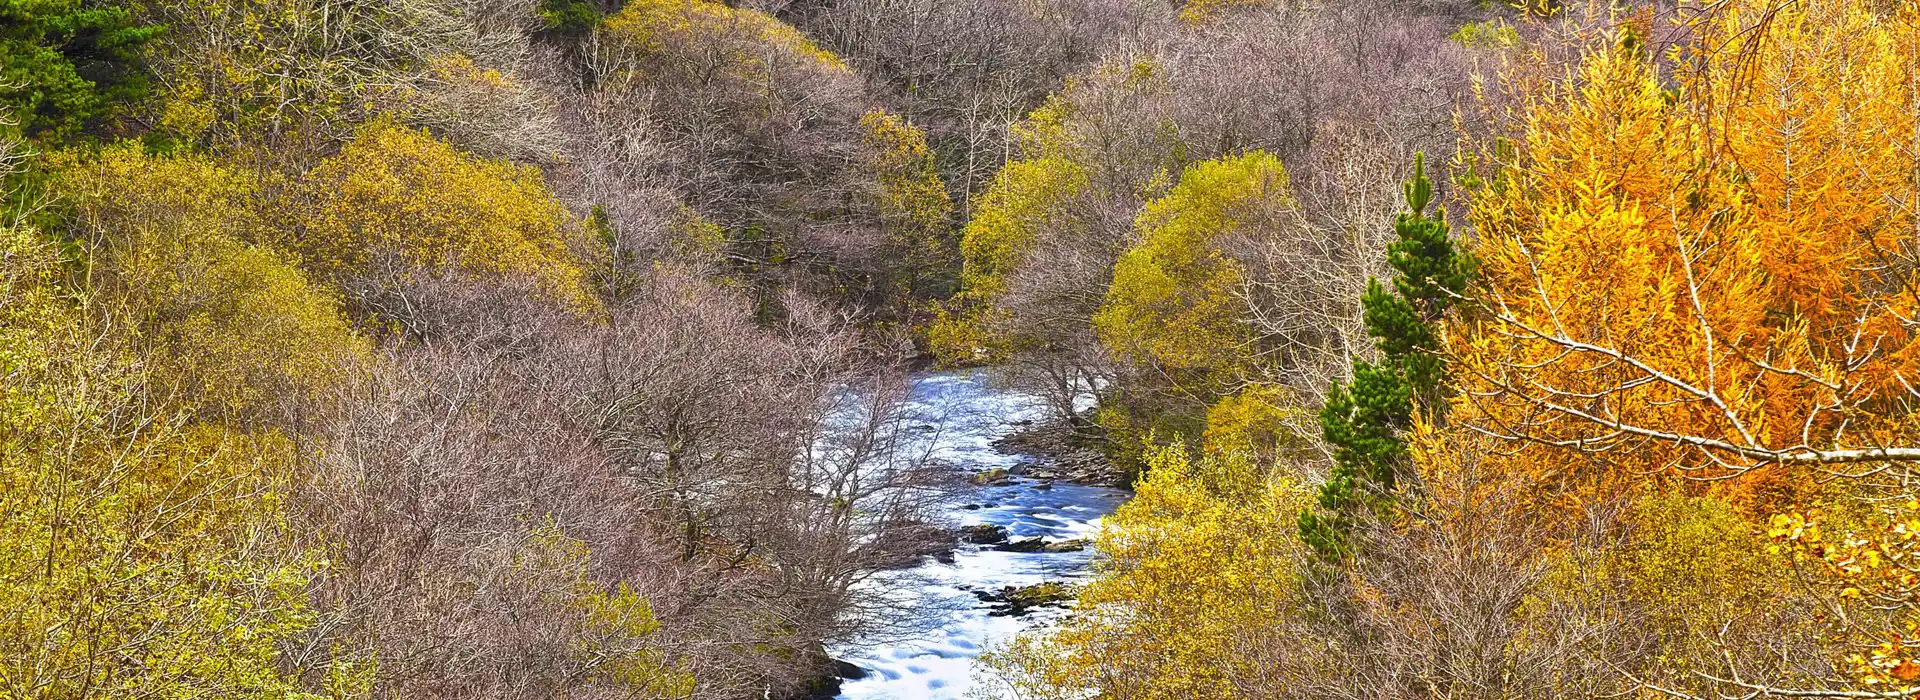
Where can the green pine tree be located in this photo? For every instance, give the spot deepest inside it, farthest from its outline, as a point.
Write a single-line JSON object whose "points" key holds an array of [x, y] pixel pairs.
{"points": [[569, 17], [1365, 420], [66, 64]]}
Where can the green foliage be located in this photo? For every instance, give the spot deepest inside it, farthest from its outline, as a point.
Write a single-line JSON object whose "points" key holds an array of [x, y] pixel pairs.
{"points": [[1173, 303], [1365, 420], [1135, 423], [66, 64], [1491, 34], [569, 17], [1432, 276]]}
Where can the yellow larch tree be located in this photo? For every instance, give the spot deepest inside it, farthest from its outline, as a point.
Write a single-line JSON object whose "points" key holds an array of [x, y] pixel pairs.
{"points": [[1711, 279], [1699, 282]]}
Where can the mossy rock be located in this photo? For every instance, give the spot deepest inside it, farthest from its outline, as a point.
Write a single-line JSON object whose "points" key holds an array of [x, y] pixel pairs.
{"points": [[1015, 601]]}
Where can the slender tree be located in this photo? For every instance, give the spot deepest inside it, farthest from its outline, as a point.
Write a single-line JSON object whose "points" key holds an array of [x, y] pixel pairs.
{"points": [[1365, 419]]}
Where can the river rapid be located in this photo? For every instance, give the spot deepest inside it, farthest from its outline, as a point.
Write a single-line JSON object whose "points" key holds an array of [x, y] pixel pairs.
{"points": [[966, 415]]}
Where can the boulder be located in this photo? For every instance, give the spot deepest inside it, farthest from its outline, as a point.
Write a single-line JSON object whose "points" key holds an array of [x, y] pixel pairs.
{"points": [[992, 477], [1025, 545], [826, 684], [1073, 545], [847, 670], [983, 534], [1015, 601]]}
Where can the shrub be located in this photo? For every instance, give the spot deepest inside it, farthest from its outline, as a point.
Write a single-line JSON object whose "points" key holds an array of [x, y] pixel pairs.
{"points": [[1173, 303], [227, 323], [143, 555], [397, 190]]}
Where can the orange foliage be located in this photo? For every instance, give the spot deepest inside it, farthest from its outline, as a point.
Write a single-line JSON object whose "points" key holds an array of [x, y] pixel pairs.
{"points": [[1712, 275]]}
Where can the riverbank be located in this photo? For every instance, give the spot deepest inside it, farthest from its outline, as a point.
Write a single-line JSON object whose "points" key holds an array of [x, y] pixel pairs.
{"points": [[1057, 452]]}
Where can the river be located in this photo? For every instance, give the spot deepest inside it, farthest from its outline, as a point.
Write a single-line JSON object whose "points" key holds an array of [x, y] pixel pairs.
{"points": [[936, 663]]}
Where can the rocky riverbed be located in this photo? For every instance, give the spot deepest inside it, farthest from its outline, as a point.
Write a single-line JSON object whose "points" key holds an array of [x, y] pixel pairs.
{"points": [[1021, 547]]}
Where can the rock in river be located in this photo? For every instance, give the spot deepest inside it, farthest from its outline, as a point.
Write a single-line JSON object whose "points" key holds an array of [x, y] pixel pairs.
{"points": [[983, 534], [1015, 601]]}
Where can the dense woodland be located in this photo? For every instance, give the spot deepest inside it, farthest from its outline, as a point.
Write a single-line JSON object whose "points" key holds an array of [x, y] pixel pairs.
{"points": [[552, 348]]}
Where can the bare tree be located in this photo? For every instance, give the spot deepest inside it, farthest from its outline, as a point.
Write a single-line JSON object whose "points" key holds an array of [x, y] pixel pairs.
{"points": [[739, 479], [966, 72]]}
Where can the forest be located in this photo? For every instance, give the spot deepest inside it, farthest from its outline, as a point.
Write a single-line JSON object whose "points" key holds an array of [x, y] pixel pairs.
{"points": [[525, 349]]}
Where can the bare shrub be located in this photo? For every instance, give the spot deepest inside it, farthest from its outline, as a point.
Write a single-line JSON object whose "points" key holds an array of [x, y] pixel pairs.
{"points": [[733, 477]]}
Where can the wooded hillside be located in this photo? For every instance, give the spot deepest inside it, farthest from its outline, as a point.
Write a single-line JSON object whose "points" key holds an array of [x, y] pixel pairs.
{"points": [[553, 348]]}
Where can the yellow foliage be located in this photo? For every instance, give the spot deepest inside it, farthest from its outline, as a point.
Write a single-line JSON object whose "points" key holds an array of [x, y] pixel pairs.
{"points": [[1491, 34], [282, 82], [1173, 303], [140, 556], [1020, 204], [1868, 560], [1024, 202], [239, 71], [396, 190], [1207, 11], [1697, 565], [1200, 566], [617, 624], [1710, 275], [226, 322], [647, 26], [1044, 132], [1690, 574], [913, 202], [1263, 421]]}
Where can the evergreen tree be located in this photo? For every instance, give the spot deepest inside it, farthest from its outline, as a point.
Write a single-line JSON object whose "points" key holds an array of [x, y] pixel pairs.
{"points": [[569, 17], [64, 64], [1364, 420]]}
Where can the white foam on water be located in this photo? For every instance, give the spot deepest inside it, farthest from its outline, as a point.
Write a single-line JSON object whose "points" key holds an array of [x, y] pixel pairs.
{"points": [[937, 662]]}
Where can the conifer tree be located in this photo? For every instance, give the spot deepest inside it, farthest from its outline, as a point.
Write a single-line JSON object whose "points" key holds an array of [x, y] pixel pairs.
{"points": [[1364, 420], [66, 63]]}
